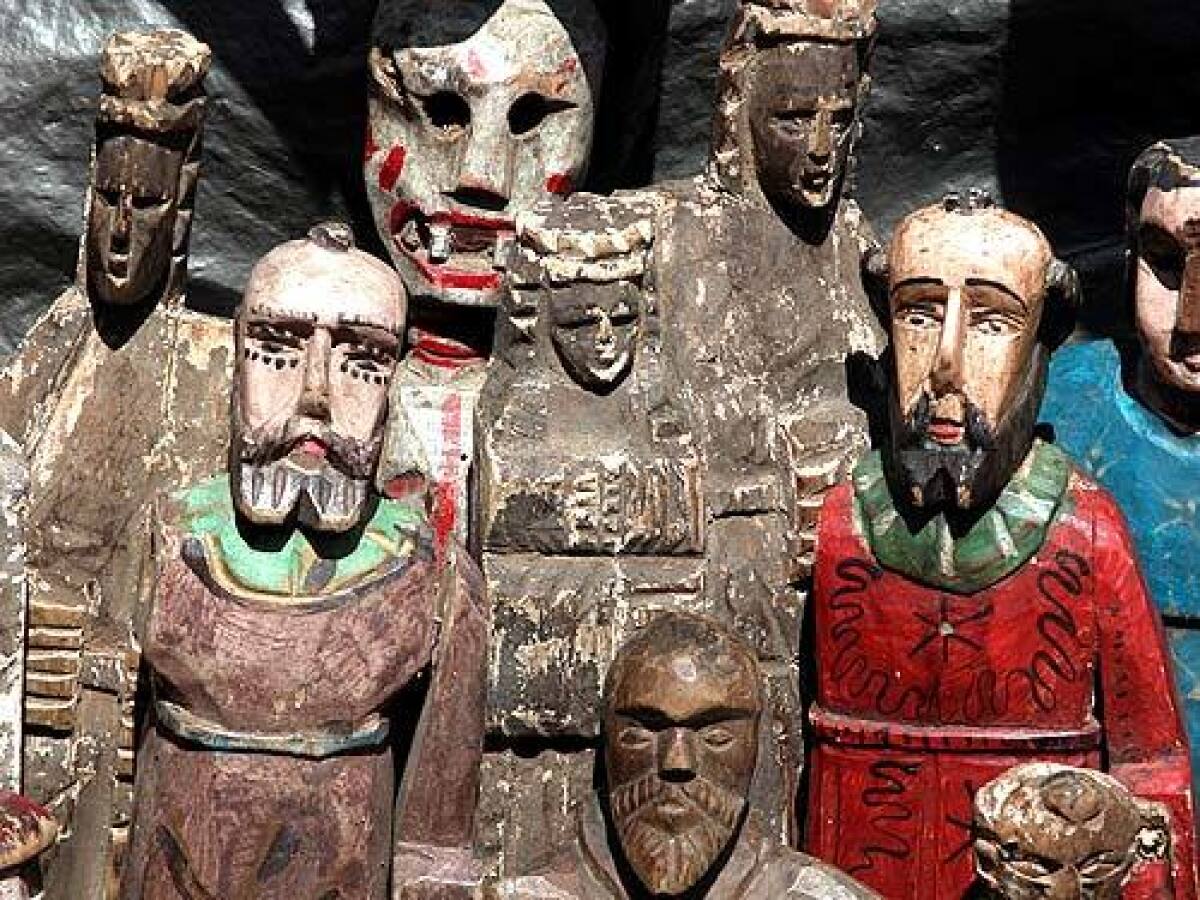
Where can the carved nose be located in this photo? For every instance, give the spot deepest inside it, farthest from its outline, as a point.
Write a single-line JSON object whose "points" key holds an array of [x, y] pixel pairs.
{"points": [[123, 224], [820, 139], [485, 174], [1187, 317], [947, 375], [314, 398], [678, 763]]}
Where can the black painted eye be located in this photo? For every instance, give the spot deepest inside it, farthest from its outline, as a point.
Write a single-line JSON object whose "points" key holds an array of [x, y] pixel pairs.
{"points": [[531, 110], [148, 202], [447, 110]]}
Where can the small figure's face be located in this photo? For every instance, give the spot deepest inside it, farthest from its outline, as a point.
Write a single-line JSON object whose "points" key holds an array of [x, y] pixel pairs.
{"points": [[131, 220], [1062, 839], [316, 358], [464, 136], [595, 333], [1167, 287], [803, 115], [681, 740], [966, 301]]}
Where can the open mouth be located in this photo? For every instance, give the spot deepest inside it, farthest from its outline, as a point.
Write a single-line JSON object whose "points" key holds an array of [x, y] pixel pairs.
{"points": [[118, 264], [453, 249], [309, 452], [816, 180], [946, 431]]}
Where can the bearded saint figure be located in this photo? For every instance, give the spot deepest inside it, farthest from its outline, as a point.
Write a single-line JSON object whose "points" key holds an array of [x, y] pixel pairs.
{"points": [[977, 601], [682, 712], [292, 605]]}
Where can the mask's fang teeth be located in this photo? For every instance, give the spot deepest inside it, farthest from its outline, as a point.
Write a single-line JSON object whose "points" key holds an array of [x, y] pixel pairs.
{"points": [[501, 250], [439, 242]]}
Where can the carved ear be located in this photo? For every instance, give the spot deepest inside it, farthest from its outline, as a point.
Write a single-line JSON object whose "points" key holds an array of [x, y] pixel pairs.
{"points": [[1063, 298], [987, 862], [875, 271]]}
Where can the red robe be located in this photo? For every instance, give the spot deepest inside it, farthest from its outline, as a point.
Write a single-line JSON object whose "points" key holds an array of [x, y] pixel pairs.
{"points": [[924, 695]]}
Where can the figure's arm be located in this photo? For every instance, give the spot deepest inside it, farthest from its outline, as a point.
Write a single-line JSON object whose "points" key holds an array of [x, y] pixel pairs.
{"points": [[435, 811], [1143, 725]]}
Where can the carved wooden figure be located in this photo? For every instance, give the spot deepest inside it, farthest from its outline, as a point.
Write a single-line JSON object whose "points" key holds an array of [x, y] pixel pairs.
{"points": [[683, 707], [670, 398], [291, 607], [116, 393], [1049, 830], [977, 602], [477, 111], [1131, 416]]}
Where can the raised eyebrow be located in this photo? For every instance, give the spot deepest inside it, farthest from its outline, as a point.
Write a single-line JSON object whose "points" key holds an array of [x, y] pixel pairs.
{"points": [[656, 718], [917, 282], [997, 286]]}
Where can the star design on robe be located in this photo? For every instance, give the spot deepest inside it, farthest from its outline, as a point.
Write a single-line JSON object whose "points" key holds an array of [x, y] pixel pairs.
{"points": [[944, 627]]}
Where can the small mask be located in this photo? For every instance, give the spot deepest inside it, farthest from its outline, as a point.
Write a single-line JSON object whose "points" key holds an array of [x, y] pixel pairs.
{"points": [[595, 331], [465, 135], [318, 341], [1049, 831], [132, 218], [682, 710], [804, 117]]}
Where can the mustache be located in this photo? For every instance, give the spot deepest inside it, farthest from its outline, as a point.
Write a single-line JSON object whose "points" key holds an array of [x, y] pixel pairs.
{"points": [[980, 433], [273, 441], [710, 800]]}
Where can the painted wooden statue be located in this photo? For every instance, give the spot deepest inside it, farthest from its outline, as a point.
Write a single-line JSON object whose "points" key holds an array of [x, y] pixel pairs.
{"points": [[1049, 830], [670, 399], [292, 606], [1131, 415], [478, 110], [977, 600], [683, 709], [117, 392]]}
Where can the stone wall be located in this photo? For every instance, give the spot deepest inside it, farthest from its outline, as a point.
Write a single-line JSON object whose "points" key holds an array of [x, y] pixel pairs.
{"points": [[1044, 101]]}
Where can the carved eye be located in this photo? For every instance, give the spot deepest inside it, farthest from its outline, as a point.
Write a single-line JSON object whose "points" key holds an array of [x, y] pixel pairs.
{"points": [[793, 122], [274, 343], [842, 118], [622, 314], [635, 737], [145, 203], [717, 738], [1162, 253], [109, 196], [530, 110], [919, 317], [368, 361], [447, 110], [1103, 867], [994, 324]]}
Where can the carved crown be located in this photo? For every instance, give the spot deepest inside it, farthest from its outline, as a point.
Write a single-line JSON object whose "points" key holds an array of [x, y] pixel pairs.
{"points": [[153, 80], [830, 20]]}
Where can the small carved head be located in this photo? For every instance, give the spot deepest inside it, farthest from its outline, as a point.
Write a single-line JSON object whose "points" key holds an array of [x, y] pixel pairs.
{"points": [[318, 338], [1164, 235], [594, 329], [682, 705], [147, 143], [796, 73], [1045, 830], [976, 301], [478, 110]]}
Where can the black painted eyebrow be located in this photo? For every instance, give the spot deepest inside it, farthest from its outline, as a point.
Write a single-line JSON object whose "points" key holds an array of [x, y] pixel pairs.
{"points": [[995, 285], [655, 719]]}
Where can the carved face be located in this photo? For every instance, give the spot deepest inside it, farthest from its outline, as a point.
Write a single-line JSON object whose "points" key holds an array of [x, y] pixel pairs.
{"points": [[318, 339], [681, 740], [131, 219], [803, 115], [967, 291], [595, 332], [1167, 286], [465, 135], [1060, 833]]}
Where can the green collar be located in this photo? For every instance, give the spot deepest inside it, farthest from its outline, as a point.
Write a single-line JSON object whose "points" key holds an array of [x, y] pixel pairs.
{"points": [[1002, 541], [306, 564]]}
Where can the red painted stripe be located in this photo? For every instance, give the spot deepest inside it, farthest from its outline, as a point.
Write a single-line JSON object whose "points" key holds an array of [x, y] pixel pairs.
{"points": [[445, 512], [389, 174]]}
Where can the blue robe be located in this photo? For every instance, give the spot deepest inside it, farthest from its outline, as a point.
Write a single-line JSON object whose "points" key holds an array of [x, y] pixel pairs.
{"points": [[1154, 474]]}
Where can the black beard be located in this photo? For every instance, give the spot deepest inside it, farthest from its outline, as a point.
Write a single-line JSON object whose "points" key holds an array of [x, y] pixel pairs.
{"points": [[670, 860], [932, 478]]}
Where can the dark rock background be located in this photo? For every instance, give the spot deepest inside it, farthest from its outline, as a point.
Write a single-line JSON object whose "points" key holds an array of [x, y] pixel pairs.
{"points": [[1044, 101]]}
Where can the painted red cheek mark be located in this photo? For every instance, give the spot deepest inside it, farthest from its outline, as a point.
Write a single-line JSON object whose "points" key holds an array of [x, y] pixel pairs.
{"points": [[370, 148], [389, 174], [559, 183], [475, 67], [403, 487], [569, 65]]}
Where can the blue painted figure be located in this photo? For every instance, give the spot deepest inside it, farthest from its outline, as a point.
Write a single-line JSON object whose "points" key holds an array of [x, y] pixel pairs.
{"points": [[1133, 418]]}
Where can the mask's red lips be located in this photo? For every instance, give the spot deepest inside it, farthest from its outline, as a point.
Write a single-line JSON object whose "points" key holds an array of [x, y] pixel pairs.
{"points": [[946, 431], [311, 446], [452, 248]]}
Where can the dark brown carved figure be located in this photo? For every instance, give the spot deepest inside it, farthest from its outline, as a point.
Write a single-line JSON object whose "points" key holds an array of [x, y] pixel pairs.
{"points": [[1053, 831], [478, 110], [723, 316], [291, 606], [682, 712], [117, 392]]}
